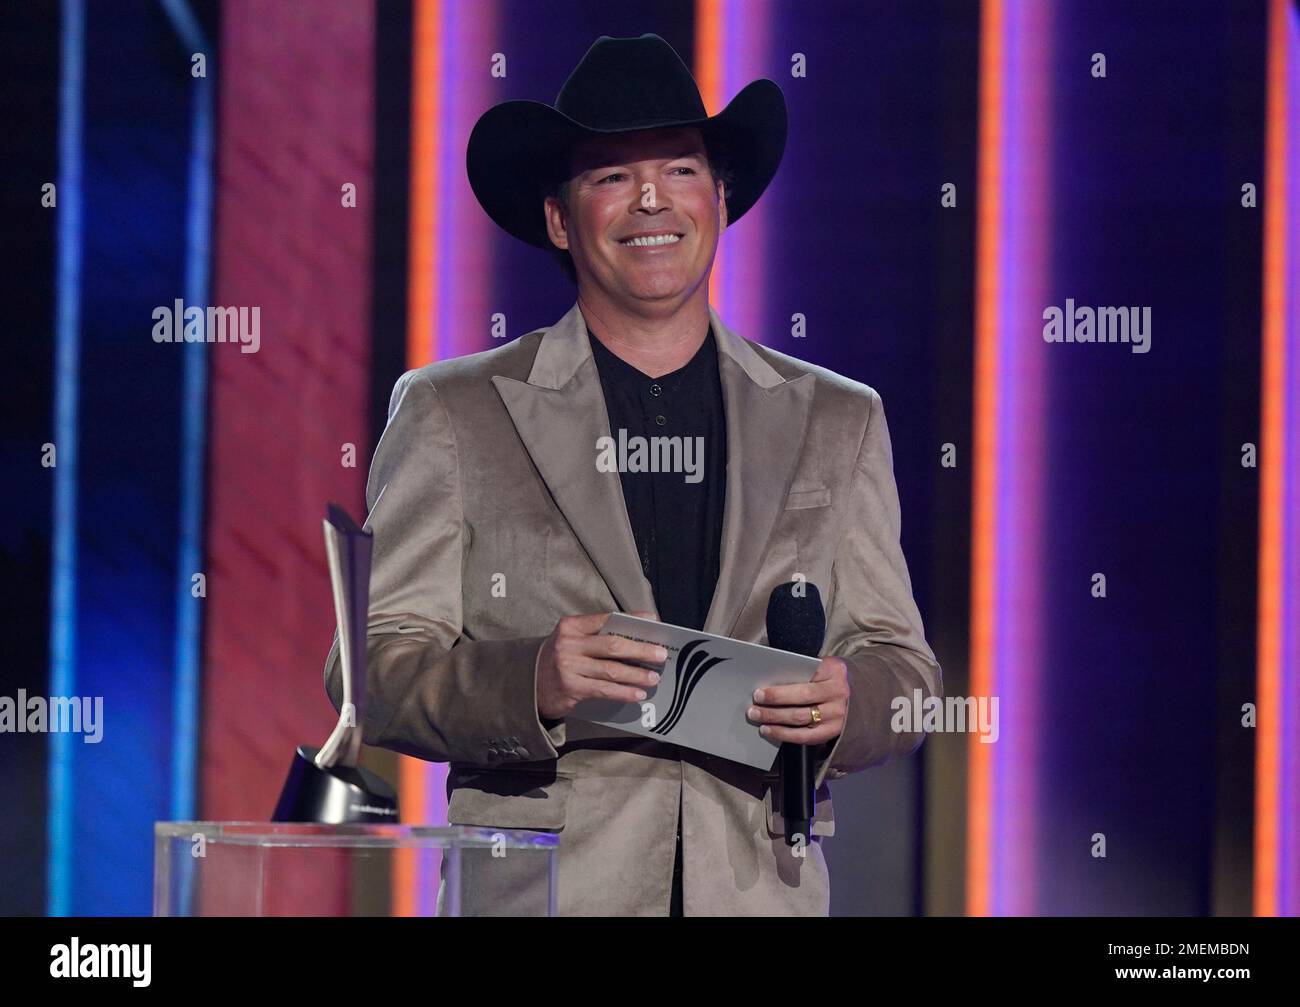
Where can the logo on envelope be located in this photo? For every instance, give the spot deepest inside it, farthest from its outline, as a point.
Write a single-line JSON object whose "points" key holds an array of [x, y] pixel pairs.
{"points": [[706, 686], [693, 662]]}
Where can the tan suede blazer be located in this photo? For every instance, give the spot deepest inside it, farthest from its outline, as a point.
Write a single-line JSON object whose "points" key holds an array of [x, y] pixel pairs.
{"points": [[492, 520]]}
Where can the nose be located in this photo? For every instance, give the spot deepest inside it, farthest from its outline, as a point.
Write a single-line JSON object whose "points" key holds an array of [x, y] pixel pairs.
{"points": [[651, 198]]}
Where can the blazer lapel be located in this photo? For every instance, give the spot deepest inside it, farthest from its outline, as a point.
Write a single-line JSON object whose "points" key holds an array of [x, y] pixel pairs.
{"points": [[559, 413], [767, 419]]}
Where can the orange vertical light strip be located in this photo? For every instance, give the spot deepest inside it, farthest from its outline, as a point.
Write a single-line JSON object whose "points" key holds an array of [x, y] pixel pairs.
{"points": [[709, 43], [426, 101], [988, 286], [1268, 748]]}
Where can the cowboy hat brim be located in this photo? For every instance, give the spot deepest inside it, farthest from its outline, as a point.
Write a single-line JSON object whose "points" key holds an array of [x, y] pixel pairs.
{"points": [[518, 152]]}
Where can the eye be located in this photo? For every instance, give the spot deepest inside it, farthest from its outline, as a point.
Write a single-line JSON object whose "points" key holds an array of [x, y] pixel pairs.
{"points": [[685, 169], [616, 174]]}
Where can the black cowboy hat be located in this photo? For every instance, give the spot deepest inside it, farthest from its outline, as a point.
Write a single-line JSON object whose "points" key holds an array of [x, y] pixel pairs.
{"points": [[518, 151]]}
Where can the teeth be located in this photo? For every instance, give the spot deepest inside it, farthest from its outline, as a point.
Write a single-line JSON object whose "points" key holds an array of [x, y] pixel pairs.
{"points": [[661, 239]]}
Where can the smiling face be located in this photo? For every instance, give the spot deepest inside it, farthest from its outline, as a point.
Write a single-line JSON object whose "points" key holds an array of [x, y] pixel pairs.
{"points": [[643, 217]]}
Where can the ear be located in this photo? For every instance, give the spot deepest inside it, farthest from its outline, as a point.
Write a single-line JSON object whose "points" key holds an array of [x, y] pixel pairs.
{"points": [[722, 209], [557, 227]]}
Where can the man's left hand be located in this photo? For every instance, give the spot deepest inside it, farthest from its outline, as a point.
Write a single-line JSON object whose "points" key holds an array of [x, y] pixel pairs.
{"points": [[785, 711]]}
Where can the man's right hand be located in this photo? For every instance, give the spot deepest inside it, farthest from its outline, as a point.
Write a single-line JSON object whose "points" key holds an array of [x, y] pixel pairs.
{"points": [[577, 663]]}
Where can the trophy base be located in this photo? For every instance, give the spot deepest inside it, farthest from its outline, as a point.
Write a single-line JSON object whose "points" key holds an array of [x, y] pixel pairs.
{"points": [[336, 796]]}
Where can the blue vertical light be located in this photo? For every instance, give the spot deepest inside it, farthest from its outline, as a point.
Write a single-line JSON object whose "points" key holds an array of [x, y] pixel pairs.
{"points": [[193, 431], [67, 336]]}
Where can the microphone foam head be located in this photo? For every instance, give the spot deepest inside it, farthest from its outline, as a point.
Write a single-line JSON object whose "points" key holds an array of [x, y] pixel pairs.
{"points": [[796, 620]]}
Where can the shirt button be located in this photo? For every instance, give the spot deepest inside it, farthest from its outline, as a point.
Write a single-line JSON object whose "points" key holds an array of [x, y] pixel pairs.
{"points": [[656, 390], [661, 419]]}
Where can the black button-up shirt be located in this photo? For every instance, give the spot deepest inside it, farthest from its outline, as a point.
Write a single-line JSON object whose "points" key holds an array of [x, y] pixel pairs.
{"points": [[676, 515]]}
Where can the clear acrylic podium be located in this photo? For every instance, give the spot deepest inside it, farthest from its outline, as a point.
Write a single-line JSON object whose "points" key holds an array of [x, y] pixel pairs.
{"points": [[299, 869]]}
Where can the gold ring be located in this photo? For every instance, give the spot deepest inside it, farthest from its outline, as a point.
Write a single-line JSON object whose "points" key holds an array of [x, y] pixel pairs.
{"points": [[816, 714]]}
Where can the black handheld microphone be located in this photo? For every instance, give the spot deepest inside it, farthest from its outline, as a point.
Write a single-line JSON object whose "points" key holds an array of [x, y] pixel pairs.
{"points": [[796, 622]]}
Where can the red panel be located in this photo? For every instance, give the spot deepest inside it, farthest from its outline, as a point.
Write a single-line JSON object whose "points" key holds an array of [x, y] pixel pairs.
{"points": [[297, 101]]}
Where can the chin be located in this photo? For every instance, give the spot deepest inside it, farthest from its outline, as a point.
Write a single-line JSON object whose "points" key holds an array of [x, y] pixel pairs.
{"points": [[656, 291], [660, 284]]}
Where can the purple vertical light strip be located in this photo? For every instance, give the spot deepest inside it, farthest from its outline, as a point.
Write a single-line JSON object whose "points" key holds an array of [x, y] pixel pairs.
{"points": [[747, 31], [467, 40], [1025, 271]]}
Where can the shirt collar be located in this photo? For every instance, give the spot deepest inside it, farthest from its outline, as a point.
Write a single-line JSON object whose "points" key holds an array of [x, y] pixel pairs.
{"points": [[614, 368]]}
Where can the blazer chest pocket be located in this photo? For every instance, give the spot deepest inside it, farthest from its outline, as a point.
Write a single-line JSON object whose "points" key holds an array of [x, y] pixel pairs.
{"points": [[508, 798], [805, 495]]}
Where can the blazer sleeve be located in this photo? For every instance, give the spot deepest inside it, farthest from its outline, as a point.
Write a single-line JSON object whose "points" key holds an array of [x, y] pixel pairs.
{"points": [[873, 621], [430, 693]]}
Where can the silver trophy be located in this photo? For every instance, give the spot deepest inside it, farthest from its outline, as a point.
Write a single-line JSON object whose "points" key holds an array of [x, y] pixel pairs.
{"points": [[325, 784]]}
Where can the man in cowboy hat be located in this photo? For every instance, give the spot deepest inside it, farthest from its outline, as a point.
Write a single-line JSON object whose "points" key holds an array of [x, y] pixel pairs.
{"points": [[501, 546]]}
